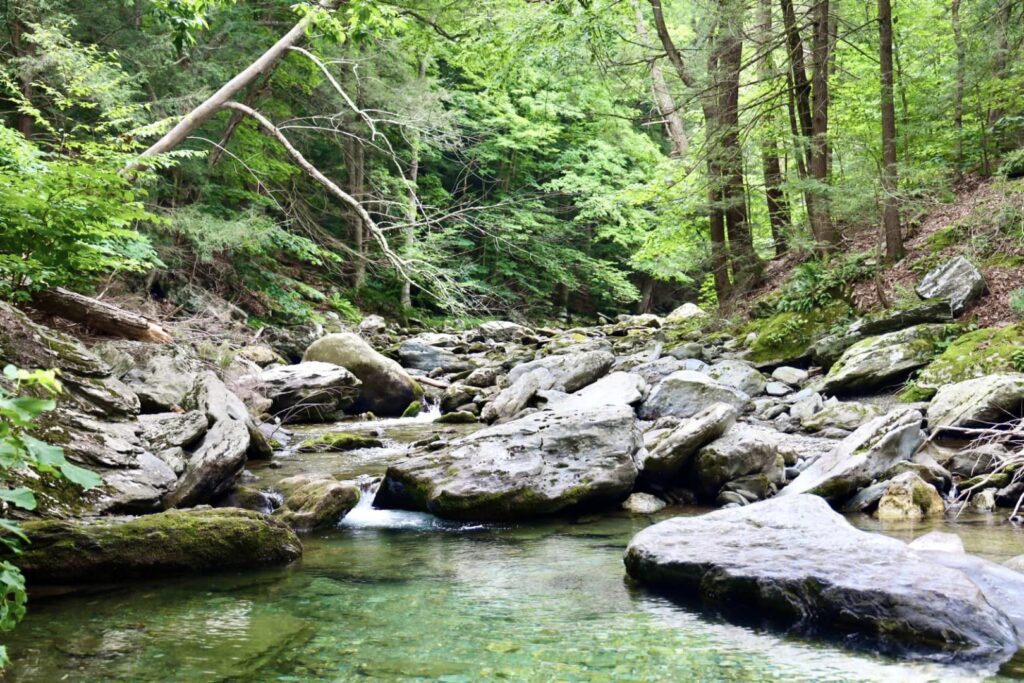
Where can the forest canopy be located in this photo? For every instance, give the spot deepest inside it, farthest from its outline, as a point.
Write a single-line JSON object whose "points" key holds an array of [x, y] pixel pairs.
{"points": [[568, 156]]}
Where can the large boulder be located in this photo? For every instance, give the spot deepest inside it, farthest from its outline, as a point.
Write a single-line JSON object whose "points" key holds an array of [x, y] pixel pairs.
{"points": [[163, 381], [981, 402], [315, 501], [685, 313], [795, 562], [876, 361], [956, 281], [310, 391], [499, 331], [220, 455], [387, 389], [745, 450], [863, 456], [165, 544], [540, 464], [988, 351], [418, 355], [664, 460], [738, 375], [848, 415], [686, 393], [617, 388]]}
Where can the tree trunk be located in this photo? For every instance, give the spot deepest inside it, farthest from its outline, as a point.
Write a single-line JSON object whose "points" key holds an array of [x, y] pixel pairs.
{"points": [[663, 102], [771, 169], [958, 87], [24, 122], [217, 100], [890, 177], [100, 316], [356, 177], [821, 222], [409, 232]]}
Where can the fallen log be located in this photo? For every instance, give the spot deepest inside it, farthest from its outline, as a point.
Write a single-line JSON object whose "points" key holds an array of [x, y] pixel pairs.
{"points": [[100, 316]]}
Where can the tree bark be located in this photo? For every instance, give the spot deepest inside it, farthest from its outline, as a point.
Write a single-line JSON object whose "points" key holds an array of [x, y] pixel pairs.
{"points": [[958, 87], [219, 99], [24, 122], [663, 101], [821, 222], [409, 232], [778, 217], [890, 177], [100, 316]]}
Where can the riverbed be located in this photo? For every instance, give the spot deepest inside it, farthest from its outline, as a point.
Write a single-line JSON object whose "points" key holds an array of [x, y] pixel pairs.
{"points": [[393, 595]]}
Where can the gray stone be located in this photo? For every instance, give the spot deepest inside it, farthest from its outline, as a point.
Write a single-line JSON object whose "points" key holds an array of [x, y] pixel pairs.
{"points": [[387, 389], [743, 450], [419, 356], [738, 375], [315, 501], [861, 457], [779, 559], [848, 415], [687, 351], [668, 454], [908, 496], [310, 391], [567, 373], [805, 407], [981, 402], [167, 430], [164, 381], [877, 360], [791, 376], [956, 281], [643, 504], [482, 377], [939, 540], [537, 465], [686, 393], [777, 389]]}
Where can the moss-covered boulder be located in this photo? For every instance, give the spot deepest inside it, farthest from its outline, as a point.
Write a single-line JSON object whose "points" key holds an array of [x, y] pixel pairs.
{"points": [[165, 544], [981, 402], [459, 417], [988, 351], [338, 441], [315, 501], [784, 338], [908, 496], [886, 358]]}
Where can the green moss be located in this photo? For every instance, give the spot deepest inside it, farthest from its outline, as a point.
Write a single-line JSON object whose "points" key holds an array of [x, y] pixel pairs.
{"points": [[914, 393], [975, 354], [413, 409], [786, 336], [338, 441], [947, 237]]}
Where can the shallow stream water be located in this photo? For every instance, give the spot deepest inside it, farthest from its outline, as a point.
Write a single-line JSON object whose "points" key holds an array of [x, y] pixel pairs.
{"points": [[397, 595]]}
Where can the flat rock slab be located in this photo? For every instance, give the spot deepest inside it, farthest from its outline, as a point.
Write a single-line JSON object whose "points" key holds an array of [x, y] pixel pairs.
{"points": [[795, 562], [537, 465], [166, 544]]}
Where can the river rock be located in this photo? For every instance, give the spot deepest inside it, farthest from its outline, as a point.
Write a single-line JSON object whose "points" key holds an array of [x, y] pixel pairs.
{"points": [[427, 358], [567, 372], [168, 430], [686, 393], [220, 455], [665, 459], [777, 560], [643, 504], [617, 388], [499, 331], [310, 391], [540, 464], [794, 377], [653, 371], [315, 501], [956, 281], [939, 540], [260, 354], [164, 381], [861, 457], [165, 544], [908, 496], [738, 375], [744, 450], [877, 360], [981, 402], [685, 313], [482, 378], [387, 389], [846, 415]]}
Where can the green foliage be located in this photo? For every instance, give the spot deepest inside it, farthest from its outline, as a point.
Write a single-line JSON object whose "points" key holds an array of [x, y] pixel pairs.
{"points": [[1013, 164], [20, 453], [1017, 302], [816, 284]]}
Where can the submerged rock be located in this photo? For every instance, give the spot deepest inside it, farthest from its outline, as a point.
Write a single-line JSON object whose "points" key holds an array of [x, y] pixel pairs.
{"points": [[643, 504], [795, 562], [387, 389], [338, 441], [165, 544], [537, 465], [956, 281]]}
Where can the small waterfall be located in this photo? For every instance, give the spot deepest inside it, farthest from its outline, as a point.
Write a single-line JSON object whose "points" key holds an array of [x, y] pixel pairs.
{"points": [[365, 516], [430, 411]]}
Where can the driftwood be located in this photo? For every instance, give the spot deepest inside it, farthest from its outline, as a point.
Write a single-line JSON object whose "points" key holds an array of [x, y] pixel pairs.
{"points": [[430, 382], [100, 316]]}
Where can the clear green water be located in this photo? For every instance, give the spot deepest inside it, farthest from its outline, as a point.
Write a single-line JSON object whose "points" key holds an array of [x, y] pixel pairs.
{"points": [[393, 596]]}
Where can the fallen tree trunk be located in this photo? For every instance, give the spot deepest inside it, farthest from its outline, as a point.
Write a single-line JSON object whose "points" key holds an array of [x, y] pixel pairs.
{"points": [[100, 316]]}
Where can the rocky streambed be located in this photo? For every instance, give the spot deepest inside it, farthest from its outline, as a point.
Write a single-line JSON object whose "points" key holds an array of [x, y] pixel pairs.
{"points": [[508, 442]]}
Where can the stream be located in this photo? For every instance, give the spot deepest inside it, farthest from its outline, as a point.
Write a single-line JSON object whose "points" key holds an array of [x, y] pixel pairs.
{"points": [[403, 595]]}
